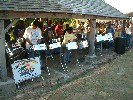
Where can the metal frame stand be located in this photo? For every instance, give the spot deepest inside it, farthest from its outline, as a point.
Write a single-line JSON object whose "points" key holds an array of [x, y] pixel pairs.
{"points": [[64, 66], [101, 48], [77, 60], [47, 65]]}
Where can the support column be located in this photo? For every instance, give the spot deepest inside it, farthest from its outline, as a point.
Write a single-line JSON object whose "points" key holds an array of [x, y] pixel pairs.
{"points": [[91, 40], [3, 70], [7, 85]]}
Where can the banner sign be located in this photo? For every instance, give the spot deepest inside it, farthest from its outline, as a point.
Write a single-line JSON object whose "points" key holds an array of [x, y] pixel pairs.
{"points": [[26, 69]]}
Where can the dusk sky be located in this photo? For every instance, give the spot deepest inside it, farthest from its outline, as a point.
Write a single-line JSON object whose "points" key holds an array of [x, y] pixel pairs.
{"points": [[125, 6]]}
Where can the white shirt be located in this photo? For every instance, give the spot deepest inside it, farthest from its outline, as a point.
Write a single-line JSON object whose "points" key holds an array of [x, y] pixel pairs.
{"points": [[33, 35], [128, 31]]}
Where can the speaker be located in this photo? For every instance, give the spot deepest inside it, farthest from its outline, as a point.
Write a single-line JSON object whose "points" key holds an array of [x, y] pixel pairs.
{"points": [[120, 41], [120, 44]]}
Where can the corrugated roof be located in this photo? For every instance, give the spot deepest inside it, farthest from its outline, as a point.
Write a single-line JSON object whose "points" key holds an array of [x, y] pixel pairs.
{"points": [[87, 7]]}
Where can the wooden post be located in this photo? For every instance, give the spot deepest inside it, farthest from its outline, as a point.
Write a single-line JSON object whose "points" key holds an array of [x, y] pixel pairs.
{"points": [[3, 70], [123, 27], [91, 38]]}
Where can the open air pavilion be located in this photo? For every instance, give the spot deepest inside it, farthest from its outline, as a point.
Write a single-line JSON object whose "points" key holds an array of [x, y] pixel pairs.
{"points": [[78, 9]]}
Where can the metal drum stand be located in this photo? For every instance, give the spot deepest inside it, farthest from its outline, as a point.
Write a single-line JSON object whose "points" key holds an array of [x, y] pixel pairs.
{"points": [[33, 48], [77, 60], [63, 65], [46, 61]]}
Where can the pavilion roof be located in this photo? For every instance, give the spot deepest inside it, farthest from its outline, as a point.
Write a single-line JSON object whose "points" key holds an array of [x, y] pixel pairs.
{"points": [[82, 7], [130, 14]]}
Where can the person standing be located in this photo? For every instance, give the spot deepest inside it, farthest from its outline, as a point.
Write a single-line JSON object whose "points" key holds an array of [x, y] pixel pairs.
{"points": [[48, 35], [19, 29], [32, 36], [59, 34], [18, 33], [68, 37], [128, 36], [59, 30], [109, 30]]}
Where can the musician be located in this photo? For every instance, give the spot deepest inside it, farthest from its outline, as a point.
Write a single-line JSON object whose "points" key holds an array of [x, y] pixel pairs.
{"points": [[48, 35], [67, 26], [87, 27], [32, 36], [19, 29], [110, 29], [128, 35], [19, 32], [68, 37], [59, 29], [59, 34]]}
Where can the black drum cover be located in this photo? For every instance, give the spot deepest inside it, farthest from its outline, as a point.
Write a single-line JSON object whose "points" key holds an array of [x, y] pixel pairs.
{"points": [[120, 44], [14, 51]]}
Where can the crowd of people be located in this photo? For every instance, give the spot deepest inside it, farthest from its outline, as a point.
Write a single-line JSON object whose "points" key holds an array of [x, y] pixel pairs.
{"points": [[38, 33]]}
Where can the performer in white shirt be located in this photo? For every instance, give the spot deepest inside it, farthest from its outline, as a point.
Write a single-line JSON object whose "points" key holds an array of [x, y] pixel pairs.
{"points": [[128, 36], [32, 36]]}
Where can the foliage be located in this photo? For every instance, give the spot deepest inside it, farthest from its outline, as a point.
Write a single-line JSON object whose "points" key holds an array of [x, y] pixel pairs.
{"points": [[28, 21]]}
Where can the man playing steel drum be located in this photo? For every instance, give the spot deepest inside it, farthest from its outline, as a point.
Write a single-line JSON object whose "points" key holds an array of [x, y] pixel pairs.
{"points": [[32, 36]]}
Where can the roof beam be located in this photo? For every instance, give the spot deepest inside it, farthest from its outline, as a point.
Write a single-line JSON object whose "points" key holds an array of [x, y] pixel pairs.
{"points": [[7, 15]]}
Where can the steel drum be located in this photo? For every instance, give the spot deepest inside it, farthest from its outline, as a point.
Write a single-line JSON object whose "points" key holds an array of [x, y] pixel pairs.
{"points": [[83, 44], [39, 47]]}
